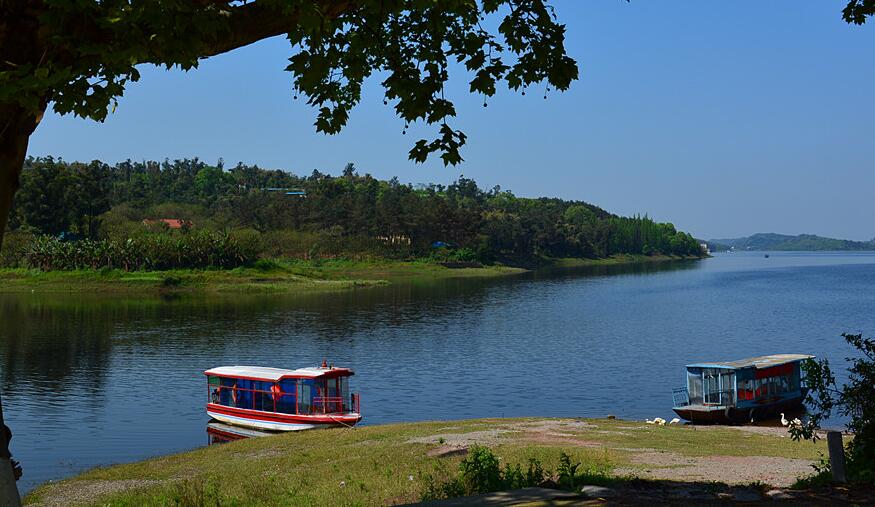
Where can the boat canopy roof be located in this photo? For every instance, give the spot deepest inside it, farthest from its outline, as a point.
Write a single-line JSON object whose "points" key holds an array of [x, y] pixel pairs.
{"points": [[274, 374], [759, 362]]}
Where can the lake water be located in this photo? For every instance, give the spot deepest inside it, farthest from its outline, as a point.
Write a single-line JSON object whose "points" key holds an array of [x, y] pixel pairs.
{"points": [[92, 380]]}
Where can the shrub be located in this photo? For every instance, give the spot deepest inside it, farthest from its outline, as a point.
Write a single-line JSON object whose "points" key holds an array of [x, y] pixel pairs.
{"points": [[199, 249], [567, 472], [14, 247], [248, 242], [480, 472], [855, 400], [265, 265]]}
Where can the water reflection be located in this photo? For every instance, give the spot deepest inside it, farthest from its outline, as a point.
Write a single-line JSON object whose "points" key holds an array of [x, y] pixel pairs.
{"points": [[220, 433]]}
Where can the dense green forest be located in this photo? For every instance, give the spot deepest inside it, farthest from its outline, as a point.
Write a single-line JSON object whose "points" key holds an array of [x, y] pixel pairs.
{"points": [[96, 215]]}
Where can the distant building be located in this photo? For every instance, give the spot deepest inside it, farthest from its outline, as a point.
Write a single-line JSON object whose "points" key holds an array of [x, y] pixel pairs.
{"points": [[288, 191], [172, 223], [705, 249], [398, 239]]}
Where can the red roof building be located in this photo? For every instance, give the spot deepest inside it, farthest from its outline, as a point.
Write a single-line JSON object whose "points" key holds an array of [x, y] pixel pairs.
{"points": [[172, 223]]}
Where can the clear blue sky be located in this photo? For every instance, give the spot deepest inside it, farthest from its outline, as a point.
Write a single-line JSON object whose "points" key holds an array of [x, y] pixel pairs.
{"points": [[725, 118]]}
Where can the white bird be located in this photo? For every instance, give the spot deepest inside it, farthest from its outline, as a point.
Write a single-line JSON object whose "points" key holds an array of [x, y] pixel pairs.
{"points": [[784, 420], [675, 421], [660, 421], [796, 423], [648, 421]]}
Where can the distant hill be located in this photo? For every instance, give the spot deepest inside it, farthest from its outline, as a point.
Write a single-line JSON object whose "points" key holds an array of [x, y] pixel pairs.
{"points": [[802, 242]]}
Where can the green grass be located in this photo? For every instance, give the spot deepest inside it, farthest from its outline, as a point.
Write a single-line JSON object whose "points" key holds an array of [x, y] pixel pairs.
{"points": [[373, 465], [613, 260], [283, 277], [270, 276]]}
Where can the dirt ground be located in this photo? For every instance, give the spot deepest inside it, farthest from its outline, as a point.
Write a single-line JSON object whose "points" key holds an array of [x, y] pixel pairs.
{"points": [[648, 463]]}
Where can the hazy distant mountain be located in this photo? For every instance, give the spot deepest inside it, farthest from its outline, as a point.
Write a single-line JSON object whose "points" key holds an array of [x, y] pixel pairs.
{"points": [[803, 242]]}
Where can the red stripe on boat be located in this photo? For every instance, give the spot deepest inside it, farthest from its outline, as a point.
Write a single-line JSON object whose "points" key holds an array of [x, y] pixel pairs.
{"points": [[258, 415]]}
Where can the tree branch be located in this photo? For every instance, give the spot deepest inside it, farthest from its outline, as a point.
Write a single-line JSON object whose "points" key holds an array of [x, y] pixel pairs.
{"points": [[253, 22]]}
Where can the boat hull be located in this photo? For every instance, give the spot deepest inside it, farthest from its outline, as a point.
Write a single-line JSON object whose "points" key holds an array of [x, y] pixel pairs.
{"points": [[271, 421], [699, 414]]}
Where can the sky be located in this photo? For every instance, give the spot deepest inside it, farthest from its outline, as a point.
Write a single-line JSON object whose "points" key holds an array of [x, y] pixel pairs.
{"points": [[724, 118]]}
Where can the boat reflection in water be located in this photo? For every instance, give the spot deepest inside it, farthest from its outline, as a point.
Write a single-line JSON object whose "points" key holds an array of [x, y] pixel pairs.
{"points": [[220, 433]]}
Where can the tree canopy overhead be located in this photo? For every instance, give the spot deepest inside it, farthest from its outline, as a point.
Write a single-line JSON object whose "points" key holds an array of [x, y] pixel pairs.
{"points": [[81, 55]]}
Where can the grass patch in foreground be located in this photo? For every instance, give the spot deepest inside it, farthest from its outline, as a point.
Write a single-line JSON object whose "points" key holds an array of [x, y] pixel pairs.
{"points": [[398, 463]]}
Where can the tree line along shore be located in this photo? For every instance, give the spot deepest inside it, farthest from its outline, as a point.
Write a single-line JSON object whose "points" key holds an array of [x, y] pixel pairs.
{"points": [[171, 222]]}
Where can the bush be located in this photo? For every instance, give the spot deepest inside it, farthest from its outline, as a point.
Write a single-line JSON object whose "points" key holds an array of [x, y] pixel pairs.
{"points": [[14, 247], [480, 472], [265, 265], [249, 242], [200, 249], [855, 400]]}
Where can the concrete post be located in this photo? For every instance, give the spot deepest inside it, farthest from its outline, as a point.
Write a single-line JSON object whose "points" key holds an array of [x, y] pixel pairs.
{"points": [[836, 456]]}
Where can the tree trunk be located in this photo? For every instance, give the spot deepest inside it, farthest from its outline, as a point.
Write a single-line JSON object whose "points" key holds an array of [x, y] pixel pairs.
{"points": [[15, 132]]}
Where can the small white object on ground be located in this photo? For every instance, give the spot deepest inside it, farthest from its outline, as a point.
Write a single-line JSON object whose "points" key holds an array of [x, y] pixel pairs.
{"points": [[591, 491], [675, 421], [778, 494]]}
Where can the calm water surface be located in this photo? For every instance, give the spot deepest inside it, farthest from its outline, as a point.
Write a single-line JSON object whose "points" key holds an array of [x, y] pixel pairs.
{"points": [[98, 380]]}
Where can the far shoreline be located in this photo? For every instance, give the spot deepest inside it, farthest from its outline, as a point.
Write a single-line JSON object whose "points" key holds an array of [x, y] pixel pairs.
{"points": [[281, 276]]}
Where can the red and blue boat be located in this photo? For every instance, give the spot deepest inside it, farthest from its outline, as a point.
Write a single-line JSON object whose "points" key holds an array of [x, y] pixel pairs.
{"points": [[276, 399], [746, 390]]}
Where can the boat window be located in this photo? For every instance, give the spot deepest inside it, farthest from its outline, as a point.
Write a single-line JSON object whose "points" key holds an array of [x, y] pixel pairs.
{"points": [[694, 386], [263, 401], [288, 385], [286, 396], [212, 389], [745, 390], [243, 398], [346, 403], [306, 392], [286, 404], [221, 390], [711, 386]]}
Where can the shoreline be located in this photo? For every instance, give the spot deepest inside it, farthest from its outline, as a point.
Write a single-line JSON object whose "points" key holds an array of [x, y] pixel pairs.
{"points": [[396, 463], [279, 276]]}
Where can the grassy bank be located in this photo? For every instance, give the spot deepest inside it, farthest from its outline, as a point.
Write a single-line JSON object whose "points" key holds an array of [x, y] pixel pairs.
{"points": [[389, 464], [270, 276], [614, 260]]}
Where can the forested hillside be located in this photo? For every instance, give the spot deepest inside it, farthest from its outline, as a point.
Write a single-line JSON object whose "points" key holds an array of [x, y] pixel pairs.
{"points": [[95, 215], [802, 242]]}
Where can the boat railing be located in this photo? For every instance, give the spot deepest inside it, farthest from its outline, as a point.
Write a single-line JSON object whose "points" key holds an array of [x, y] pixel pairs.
{"points": [[329, 404], [335, 404], [680, 397]]}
